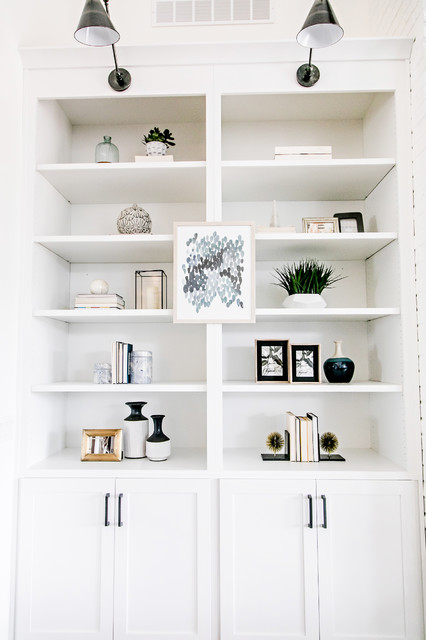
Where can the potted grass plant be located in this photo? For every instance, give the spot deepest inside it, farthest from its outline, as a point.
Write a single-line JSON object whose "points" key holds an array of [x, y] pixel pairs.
{"points": [[304, 282]]}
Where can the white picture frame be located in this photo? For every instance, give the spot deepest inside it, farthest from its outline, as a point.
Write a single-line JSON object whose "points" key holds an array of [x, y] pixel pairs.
{"points": [[214, 271]]}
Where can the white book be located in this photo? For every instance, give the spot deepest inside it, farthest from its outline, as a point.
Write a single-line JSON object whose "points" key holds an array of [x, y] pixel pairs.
{"points": [[291, 428], [297, 150], [310, 441], [315, 436], [303, 157], [304, 455], [153, 158]]}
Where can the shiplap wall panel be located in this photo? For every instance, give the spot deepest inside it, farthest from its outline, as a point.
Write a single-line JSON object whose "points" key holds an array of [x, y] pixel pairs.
{"points": [[408, 18]]}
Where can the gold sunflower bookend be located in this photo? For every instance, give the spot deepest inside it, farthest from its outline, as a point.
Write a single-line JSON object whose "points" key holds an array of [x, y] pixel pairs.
{"points": [[275, 442], [329, 442]]}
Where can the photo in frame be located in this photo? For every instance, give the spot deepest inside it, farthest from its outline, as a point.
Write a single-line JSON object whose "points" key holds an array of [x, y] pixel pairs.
{"points": [[101, 445], [214, 272], [320, 225], [272, 361], [350, 222], [305, 363]]}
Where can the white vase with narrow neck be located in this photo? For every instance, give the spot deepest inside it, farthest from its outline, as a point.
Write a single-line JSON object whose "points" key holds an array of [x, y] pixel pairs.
{"points": [[337, 349], [304, 301]]}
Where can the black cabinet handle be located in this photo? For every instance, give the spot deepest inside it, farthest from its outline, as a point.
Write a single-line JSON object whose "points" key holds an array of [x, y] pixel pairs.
{"points": [[120, 499], [107, 497], [310, 524], [324, 511]]}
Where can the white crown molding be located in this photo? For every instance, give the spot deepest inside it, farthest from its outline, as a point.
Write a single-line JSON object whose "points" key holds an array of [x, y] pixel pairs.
{"points": [[215, 53]]}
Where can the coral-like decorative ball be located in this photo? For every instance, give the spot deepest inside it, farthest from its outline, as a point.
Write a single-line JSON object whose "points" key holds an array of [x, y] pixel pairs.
{"points": [[329, 442], [99, 287], [275, 442], [134, 219]]}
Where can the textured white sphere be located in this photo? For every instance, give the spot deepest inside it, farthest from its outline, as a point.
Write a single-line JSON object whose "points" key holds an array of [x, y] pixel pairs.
{"points": [[99, 286]]}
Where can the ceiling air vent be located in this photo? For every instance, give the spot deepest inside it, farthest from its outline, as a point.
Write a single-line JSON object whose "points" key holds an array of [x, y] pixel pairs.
{"points": [[210, 12]]}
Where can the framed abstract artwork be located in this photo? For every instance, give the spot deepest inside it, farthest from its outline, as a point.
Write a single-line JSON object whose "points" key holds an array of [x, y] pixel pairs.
{"points": [[213, 272]]}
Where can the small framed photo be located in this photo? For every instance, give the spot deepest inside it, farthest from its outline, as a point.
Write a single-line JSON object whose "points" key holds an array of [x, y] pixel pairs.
{"points": [[350, 222], [305, 363], [214, 272], [101, 445], [320, 225], [272, 361]]}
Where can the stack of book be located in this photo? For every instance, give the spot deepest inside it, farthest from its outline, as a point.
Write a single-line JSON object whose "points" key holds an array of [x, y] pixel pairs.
{"points": [[120, 361], [302, 153], [303, 437], [98, 301]]}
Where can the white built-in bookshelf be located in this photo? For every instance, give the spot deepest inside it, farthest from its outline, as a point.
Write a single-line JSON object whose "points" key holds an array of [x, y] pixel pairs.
{"points": [[223, 170], [227, 107]]}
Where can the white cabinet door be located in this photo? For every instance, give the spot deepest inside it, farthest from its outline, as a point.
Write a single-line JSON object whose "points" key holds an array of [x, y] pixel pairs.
{"points": [[369, 561], [269, 586], [65, 567], [162, 575]]}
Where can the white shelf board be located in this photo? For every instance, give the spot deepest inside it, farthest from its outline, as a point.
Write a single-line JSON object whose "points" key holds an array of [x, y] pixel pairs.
{"points": [[115, 183], [359, 463], [93, 316], [324, 246], [91, 387], [368, 386], [67, 463], [269, 246], [110, 248], [332, 314], [260, 181]]}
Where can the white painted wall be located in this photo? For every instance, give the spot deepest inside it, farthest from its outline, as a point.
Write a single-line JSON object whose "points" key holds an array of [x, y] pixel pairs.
{"points": [[10, 189], [53, 22]]}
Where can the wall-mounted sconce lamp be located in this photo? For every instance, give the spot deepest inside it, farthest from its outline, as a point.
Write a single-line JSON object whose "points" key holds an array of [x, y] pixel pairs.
{"points": [[96, 29], [321, 29]]}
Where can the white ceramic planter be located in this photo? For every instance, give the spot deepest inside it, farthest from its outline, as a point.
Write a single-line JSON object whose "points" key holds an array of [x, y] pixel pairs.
{"points": [[156, 148], [304, 301]]}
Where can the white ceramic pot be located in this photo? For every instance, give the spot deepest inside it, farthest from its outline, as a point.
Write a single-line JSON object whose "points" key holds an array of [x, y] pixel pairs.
{"points": [[156, 148], [304, 301], [158, 451]]}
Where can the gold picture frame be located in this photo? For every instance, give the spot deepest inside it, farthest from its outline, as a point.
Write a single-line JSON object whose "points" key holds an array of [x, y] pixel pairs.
{"points": [[101, 445], [320, 225]]}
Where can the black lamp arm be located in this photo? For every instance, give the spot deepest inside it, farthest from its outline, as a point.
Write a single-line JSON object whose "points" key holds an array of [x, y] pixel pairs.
{"points": [[120, 78]]}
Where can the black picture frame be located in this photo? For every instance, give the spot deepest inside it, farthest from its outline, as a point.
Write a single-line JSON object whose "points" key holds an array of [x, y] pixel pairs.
{"points": [[348, 222], [272, 361], [305, 363]]}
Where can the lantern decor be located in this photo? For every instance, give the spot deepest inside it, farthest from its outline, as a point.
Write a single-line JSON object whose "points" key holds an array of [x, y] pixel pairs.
{"points": [[150, 289]]}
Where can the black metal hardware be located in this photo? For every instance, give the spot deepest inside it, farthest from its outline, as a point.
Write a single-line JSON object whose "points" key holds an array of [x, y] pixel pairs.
{"points": [[310, 524], [120, 499], [107, 497], [324, 511]]}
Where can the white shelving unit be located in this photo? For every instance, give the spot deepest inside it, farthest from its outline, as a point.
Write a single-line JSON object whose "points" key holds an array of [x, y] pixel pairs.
{"points": [[226, 119]]}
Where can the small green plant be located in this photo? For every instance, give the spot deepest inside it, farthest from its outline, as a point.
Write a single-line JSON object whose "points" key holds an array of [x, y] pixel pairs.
{"points": [[306, 276], [329, 442], [275, 442], [155, 135]]}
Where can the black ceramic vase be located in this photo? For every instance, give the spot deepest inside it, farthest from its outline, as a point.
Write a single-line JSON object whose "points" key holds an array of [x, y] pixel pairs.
{"points": [[339, 368], [135, 431], [158, 444]]}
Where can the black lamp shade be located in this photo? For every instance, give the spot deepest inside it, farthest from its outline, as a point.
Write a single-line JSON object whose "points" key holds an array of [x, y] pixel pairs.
{"points": [[95, 27], [321, 28]]}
